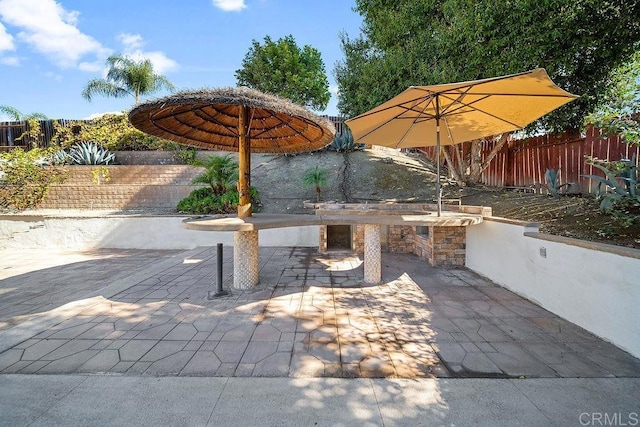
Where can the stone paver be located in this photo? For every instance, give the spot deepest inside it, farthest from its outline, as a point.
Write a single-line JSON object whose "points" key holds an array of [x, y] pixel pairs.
{"points": [[311, 316]]}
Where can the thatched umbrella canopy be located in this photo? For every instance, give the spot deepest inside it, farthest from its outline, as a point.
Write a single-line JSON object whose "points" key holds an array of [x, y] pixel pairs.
{"points": [[234, 119]]}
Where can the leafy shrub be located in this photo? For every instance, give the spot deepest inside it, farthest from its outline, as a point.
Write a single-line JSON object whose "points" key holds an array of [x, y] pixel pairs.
{"points": [[112, 131], [187, 155], [90, 153], [203, 201], [220, 173], [24, 181]]}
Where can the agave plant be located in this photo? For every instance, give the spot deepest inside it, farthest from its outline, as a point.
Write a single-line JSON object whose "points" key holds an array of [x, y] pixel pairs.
{"points": [[90, 153], [343, 142], [623, 180], [552, 178], [59, 158]]}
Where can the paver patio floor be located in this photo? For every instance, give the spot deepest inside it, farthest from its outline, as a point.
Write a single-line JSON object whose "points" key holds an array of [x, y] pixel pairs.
{"points": [[309, 317]]}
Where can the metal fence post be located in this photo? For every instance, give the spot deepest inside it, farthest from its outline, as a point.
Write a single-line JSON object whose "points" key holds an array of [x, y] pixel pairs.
{"points": [[219, 292]]}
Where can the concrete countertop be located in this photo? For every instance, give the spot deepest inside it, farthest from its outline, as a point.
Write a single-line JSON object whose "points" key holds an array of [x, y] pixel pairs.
{"points": [[267, 221]]}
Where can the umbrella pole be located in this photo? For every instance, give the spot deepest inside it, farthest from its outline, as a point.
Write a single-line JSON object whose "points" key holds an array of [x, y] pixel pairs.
{"points": [[244, 165], [245, 243], [438, 187]]}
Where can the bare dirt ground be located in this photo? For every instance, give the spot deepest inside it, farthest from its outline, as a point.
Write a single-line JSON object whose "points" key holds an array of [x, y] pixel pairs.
{"points": [[384, 175]]}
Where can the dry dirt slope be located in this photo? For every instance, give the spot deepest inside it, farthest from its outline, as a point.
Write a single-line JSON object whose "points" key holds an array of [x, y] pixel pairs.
{"points": [[361, 176], [383, 174]]}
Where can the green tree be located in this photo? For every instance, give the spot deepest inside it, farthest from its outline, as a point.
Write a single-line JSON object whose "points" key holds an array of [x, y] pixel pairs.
{"points": [[423, 42], [221, 173], [283, 69], [127, 77], [418, 42], [620, 113], [316, 177]]}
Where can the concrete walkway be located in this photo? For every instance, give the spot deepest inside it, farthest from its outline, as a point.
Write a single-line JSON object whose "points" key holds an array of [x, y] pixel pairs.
{"points": [[76, 400], [426, 346]]}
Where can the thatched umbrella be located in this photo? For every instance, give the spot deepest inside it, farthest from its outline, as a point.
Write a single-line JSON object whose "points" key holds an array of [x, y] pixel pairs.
{"points": [[234, 119]]}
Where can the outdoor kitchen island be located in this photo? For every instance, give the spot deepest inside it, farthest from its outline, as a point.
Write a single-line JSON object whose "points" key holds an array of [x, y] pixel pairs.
{"points": [[444, 237]]}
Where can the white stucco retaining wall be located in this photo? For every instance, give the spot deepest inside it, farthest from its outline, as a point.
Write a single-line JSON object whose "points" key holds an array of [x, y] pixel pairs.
{"points": [[127, 232], [593, 285]]}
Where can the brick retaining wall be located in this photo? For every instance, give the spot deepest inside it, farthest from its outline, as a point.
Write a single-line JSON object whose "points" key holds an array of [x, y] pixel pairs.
{"points": [[129, 187]]}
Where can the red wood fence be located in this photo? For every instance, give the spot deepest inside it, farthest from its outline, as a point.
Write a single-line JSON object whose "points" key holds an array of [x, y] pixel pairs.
{"points": [[522, 163]]}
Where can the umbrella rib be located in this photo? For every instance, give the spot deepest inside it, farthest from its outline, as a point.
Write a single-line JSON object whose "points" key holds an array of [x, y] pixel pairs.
{"points": [[199, 112], [398, 116], [415, 120], [156, 122], [457, 102], [170, 132], [287, 125]]}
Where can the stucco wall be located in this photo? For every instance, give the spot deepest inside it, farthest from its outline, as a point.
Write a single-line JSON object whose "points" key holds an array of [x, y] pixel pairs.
{"points": [[592, 285], [164, 232]]}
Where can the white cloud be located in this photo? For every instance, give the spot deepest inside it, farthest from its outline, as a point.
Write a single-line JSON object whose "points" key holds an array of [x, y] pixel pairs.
{"points": [[97, 115], [334, 89], [230, 5], [51, 30], [132, 48], [14, 61], [6, 40], [91, 67], [131, 41], [54, 76]]}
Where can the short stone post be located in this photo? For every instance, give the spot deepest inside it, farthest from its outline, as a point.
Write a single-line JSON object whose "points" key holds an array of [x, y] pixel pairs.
{"points": [[245, 259], [372, 254]]}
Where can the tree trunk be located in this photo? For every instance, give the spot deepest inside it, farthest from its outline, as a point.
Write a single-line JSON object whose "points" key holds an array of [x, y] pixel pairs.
{"points": [[318, 190], [452, 167], [475, 163], [468, 169]]}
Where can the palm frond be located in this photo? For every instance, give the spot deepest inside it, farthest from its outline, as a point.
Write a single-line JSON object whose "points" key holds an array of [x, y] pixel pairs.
{"points": [[13, 113], [127, 76], [103, 87]]}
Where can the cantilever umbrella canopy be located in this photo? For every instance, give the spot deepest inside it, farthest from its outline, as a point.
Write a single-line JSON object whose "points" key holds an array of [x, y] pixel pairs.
{"points": [[234, 119], [465, 110]]}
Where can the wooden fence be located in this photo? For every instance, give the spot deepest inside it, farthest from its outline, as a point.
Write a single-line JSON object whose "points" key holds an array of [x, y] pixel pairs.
{"points": [[11, 132], [522, 163]]}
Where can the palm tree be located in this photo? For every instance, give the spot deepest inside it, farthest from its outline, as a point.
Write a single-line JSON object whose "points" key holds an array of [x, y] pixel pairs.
{"points": [[15, 114], [127, 77], [315, 177], [220, 173]]}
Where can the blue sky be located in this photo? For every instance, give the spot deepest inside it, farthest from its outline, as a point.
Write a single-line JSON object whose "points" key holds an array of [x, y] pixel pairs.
{"points": [[50, 49]]}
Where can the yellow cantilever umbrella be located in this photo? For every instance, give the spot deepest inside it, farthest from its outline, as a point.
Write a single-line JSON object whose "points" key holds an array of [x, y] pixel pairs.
{"points": [[465, 110]]}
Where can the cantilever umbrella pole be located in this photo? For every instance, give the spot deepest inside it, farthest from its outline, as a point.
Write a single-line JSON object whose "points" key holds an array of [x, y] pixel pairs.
{"points": [[244, 165], [438, 186]]}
